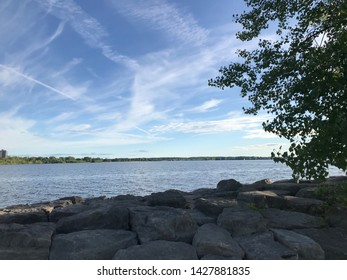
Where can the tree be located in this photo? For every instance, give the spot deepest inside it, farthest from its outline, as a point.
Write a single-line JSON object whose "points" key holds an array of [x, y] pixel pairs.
{"points": [[298, 76]]}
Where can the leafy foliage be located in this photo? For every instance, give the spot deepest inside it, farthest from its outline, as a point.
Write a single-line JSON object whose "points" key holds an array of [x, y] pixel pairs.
{"points": [[298, 76]]}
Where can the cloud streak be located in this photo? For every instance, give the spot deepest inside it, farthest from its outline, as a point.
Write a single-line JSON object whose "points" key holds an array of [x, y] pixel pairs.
{"points": [[235, 123], [90, 29], [28, 78], [163, 16]]}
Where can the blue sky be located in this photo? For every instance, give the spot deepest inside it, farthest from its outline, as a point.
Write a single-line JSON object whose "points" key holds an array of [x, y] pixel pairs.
{"points": [[125, 78]]}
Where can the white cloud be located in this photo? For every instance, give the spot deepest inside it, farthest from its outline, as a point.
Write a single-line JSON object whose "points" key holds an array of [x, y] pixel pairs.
{"points": [[164, 16], [29, 78], [259, 134], [235, 123], [94, 34], [207, 106]]}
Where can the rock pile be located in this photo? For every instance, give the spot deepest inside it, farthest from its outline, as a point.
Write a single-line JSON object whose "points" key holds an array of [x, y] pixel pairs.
{"points": [[264, 220]]}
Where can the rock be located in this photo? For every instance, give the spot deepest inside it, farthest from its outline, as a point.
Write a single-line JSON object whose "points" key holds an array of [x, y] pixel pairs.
{"points": [[106, 217], [228, 185], [24, 214], [162, 223], [263, 199], [241, 221], [214, 206], [171, 198], [262, 246], [290, 220], [158, 250], [337, 217], [332, 240], [25, 242], [214, 257], [306, 205], [211, 239], [73, 199], [306, 248], [62, 212], [263, 182], [100, 244], [309, 192], [200, 218], [292, 188]]}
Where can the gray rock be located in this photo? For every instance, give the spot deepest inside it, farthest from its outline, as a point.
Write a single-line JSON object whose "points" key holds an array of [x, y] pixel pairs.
{"points": [[292, 188], [263, 182], [158, 250], [262, 199], [107, 217], [162, 223], [262, 246], [200, 218], [228, 185], [290, 220], [25, 242], [306, 248], [332, 240], [211, 239], [306, 205], [62, 212], [171, 198], [241, 221], [25, 214], [214, 257], [73, 199], [309, 192], [100, 244], [337, 217], [214, 206]]}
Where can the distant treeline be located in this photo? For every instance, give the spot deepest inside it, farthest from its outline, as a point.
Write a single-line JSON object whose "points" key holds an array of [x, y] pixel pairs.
{"points": [[50, 160]]}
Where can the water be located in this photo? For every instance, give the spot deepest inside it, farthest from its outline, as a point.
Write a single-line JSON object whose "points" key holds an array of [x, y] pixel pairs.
{"points": [[21, 184]]}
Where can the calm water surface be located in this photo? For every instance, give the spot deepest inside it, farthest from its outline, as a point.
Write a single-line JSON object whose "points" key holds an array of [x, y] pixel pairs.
{"points": [[20, 184]]}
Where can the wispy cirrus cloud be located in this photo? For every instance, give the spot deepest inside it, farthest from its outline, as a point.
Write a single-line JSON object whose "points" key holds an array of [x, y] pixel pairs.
{"points": [[236, 122], [35, 81], [89, 28], [164, 16], [207, 106]]}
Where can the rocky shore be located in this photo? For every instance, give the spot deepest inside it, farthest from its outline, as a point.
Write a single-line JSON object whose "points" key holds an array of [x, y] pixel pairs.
{"points": [[264, 220]]}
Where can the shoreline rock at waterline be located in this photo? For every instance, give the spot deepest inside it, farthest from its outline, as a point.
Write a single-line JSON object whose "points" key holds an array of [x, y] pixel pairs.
{"points": [[264, 220]]}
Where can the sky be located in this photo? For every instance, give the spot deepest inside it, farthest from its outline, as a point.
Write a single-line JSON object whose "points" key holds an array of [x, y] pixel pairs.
{"points": [[123, 78]]}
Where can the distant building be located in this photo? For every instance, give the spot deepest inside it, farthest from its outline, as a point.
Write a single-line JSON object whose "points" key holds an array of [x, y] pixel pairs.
{"points": [[3, 154]]}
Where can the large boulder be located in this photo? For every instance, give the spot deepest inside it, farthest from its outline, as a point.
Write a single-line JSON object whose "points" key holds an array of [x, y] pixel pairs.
{"points": [[305, 205], [200, 218], [100, 244], [228, 185], [213, 206], [262, 199], [241, 221], [62, 212], [162, 223], [262, 246], [291, 220], [337, 217], [309, 192], [306, 248], [25, 242], [25, 214], [158, 250], [292, 188], [171, 198], [332, 240], [103, 217], [211, 239]]}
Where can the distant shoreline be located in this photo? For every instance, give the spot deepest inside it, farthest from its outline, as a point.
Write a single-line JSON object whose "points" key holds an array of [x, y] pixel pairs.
{"points": [[69, 159]]}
